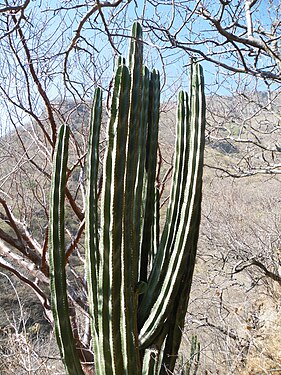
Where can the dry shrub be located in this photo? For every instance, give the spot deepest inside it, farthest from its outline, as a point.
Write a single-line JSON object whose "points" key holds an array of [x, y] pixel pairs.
{"points": [[23, 351]]}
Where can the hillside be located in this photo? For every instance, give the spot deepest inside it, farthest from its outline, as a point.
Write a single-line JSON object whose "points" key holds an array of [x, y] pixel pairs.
{"points": [[234, 309]]}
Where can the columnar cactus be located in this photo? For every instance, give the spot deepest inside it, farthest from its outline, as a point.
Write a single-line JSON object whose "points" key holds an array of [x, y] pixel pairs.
{"points": [[138, 281]]}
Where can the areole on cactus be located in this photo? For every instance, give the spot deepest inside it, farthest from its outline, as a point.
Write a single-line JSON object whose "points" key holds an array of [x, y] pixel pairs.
{"points": [[138, 281]]}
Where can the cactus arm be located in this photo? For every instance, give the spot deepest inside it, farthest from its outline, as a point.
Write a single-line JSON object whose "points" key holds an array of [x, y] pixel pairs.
{"points": [[129, 251], [134, 175], [175, 206], [187, 227], [148, 240], [179, 177], [134, 151], [60, 306], [177, 318], [177, 324], [110, 270], [138, 218], [91, 220]]}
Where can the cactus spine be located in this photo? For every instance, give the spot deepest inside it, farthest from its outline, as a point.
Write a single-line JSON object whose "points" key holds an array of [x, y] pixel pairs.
{"points": [[138, 283]]}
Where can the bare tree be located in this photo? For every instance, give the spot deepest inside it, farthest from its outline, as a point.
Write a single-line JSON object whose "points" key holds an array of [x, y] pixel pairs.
{"points": [[240, 44]]}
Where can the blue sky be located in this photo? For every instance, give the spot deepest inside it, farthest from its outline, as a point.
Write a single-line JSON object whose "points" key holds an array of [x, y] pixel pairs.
{"points": [[175, 61]]}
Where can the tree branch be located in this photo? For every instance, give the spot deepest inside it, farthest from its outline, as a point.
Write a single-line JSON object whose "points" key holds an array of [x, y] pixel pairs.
{"points": [[40, 294], [253, 262], [36, 80]]}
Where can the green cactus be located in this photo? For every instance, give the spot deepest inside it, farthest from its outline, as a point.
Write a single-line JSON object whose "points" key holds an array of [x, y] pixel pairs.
{"points": [[194, 357], [138, 281], [60, 305]]}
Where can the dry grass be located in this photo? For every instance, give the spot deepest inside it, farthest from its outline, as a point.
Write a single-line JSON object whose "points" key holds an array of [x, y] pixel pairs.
{"points": [[26, 347], [24, 352]]}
